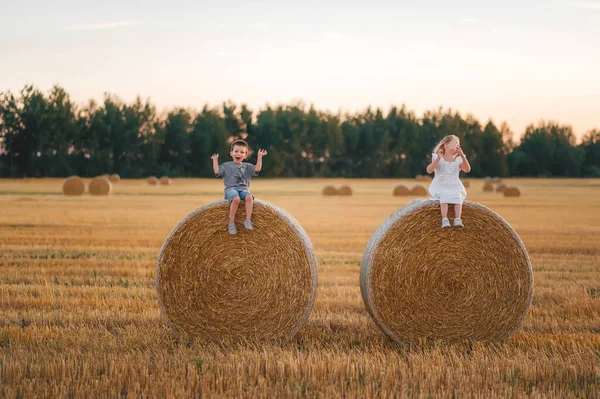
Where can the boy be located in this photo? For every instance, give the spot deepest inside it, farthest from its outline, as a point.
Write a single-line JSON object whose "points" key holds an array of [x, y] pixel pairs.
{"points": [[236, 175]]}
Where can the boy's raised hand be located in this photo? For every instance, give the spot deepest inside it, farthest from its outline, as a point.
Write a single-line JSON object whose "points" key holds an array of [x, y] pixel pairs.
{"points": [[262, 153], [214, 156]]}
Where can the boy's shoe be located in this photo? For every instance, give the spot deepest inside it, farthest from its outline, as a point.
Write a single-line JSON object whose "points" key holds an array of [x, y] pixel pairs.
{"points": [[232, 229], [445, 223], [458, 223], [248, 225]]}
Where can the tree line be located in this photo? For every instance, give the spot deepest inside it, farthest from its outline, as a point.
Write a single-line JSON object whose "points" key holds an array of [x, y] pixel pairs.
{"points": [[48, 135]]}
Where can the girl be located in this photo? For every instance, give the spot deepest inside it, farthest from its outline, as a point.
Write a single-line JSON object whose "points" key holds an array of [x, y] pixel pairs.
{"points": [[447, 160]]}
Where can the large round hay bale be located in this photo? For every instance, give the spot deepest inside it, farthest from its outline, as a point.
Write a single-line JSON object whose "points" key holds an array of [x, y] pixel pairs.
{"points": [[420, 281], [423, 178], [115, 178], [488, 186], [165, 180], [100, 186], [466, 183], [256, 285], [330, 190], [500, 188], [153, 180], [419, 190], [401, 190], [512, 192], [73, 185], [345, 190]]}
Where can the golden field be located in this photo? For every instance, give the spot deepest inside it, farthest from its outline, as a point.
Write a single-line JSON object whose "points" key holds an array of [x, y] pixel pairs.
{"points": [[79, 315]]}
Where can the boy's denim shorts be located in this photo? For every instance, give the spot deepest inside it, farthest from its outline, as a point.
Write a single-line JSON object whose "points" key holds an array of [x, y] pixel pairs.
{"points": [[231, 193]]}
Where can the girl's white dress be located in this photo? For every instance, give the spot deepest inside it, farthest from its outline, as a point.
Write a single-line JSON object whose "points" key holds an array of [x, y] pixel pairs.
{"points": [[446, 185]]}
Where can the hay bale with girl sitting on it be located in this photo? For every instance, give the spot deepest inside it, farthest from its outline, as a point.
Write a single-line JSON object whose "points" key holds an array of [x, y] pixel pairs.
{"points": [[419, 281]]}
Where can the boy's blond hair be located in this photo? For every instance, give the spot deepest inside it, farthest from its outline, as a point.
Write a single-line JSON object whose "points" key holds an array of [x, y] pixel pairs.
{"points": [[240, 143]]}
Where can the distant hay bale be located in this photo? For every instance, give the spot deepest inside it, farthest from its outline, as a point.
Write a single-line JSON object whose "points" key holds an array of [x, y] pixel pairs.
{"points": [[106, 175], [487, 179], [422, 178], [73, 185], [419, 281], [496, 180], [500, 188], [488, 186], [100, 186], [153, 180], [466, 183], [419, 190], [345, 190], [115, 178], [512, 192], [401, 190], [165, 180], [255, 285], [330, 190]]}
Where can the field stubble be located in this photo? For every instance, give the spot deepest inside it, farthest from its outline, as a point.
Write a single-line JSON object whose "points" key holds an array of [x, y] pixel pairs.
{"points": [[79, 315]]}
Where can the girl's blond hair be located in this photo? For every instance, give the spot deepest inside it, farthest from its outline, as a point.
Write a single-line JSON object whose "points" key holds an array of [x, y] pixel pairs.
{"points": [[443, 141]]}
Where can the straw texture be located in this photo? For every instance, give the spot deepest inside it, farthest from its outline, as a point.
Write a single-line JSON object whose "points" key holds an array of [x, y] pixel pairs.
{"points": [[345, 190], [330, 190], [401, 190], [512, 192], [100, 186], [419, 190], [73, 185], [419, 281], [256, 285]]}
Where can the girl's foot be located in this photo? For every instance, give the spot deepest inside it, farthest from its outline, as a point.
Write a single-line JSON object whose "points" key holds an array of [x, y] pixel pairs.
{"points": [[445, 223], [232, 229], [458, 223], [248, 225]]}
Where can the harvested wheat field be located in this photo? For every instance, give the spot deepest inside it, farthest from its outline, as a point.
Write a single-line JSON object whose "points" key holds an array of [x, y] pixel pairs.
{"points": [[79, 313]]}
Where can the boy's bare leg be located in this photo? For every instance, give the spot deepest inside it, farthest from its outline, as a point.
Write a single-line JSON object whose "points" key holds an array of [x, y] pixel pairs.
{"points": [[249, 200], [233, 209]]}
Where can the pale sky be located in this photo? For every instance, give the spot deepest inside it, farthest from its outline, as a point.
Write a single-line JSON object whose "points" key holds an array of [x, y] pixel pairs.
{"points": [[513, 61]]}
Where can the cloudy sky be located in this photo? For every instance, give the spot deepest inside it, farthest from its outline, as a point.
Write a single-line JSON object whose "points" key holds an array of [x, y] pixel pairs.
{"points": [[514, 61]]}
